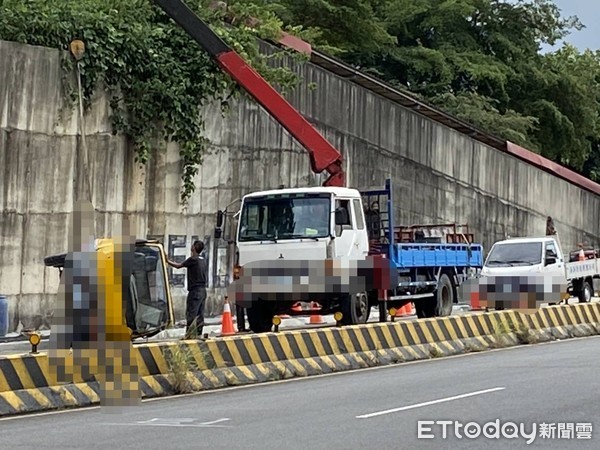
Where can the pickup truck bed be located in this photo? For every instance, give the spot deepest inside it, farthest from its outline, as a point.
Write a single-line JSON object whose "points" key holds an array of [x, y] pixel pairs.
{"points": [[589, 254], [582, 269]]}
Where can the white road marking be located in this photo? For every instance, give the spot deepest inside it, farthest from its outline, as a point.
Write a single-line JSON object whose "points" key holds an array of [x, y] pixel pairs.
{"points": [[148, 421], [168, 420], [198, 425], [173, 422], [215, 421], [433, 402]]}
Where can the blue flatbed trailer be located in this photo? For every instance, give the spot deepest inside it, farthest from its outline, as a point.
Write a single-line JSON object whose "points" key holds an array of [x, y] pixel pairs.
{"points": [[430, 273]]}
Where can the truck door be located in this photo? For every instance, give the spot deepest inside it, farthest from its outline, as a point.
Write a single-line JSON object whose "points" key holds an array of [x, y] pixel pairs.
{"points": [[362, 235], [553, 261], [347, 242]]}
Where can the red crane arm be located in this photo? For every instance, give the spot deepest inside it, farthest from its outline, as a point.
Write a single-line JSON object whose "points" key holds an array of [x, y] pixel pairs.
{"points": [[323, 156]]}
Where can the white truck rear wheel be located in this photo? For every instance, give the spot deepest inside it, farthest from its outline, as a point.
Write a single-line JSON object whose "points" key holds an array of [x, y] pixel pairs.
{"points": [[586, 293], [445, 296]]}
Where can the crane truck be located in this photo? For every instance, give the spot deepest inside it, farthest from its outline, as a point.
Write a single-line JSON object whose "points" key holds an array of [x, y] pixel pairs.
{"points": [[321, 244]]}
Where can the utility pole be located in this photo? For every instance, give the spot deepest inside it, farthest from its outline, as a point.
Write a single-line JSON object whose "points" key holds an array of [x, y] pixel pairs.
{"points": [[81, 184]]}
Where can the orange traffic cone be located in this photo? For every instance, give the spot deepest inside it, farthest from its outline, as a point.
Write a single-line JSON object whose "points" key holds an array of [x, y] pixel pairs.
{"points": [[406, 310], [315, 319], [401, 312], [227, 328], [581, 255]]}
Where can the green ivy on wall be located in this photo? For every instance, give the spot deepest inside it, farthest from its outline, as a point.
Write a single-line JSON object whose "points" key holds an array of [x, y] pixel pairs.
{"points": [[157, 77]]}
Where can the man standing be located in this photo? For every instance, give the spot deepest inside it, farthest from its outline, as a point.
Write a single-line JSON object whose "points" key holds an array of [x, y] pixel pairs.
{"points": [[373, 222], [197, 277]]}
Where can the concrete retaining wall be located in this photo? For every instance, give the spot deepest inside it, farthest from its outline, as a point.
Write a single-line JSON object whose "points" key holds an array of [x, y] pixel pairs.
{"points": [[438, 174]]}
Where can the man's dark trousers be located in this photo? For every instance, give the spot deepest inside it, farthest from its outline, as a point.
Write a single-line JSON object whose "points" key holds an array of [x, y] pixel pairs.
{"points": [[196, 300]]}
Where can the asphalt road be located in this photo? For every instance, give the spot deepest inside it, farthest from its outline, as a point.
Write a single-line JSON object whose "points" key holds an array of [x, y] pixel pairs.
{"points": [[379, 408]]}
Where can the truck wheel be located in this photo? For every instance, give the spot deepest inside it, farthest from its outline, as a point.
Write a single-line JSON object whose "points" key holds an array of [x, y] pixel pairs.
{"points": [[260, 317], [355, 309], [425, 307], [586, 293], [445, 296]]}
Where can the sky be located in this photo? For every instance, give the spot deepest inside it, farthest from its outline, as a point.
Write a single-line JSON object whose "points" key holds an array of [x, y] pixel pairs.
{"points": [[588, 12]]}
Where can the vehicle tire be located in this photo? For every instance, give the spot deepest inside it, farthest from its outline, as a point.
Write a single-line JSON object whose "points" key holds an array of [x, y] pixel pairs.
{"points": [[355, 309], [586, 293], [260, 317], [425, 307], [444, 296]]}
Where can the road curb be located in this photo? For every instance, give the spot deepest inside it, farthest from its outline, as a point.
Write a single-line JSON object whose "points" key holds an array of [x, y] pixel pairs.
{"points": [[26, 384]]}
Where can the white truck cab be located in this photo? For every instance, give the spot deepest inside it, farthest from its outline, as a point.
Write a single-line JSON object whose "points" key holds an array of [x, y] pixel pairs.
{"points": [[524, 256], [543, 258], [279, 228], [302, 223]]}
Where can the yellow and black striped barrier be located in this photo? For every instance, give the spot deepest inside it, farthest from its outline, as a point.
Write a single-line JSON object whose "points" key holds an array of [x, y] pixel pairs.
{"points": [[27, 385]]}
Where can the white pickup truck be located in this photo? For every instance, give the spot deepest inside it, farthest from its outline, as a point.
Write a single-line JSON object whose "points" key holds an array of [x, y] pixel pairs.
{"points": [[578, 273]]}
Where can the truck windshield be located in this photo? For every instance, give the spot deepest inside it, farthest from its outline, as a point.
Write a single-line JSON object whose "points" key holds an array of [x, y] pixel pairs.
{"points": [[515, 254], [285, 218]]}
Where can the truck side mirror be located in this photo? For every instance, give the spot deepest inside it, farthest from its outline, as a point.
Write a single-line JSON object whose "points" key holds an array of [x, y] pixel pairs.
{"points": [[550, 259]]}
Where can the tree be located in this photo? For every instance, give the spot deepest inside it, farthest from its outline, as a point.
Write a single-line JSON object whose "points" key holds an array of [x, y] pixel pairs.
{"points": [[565, 97], [477, 59], [347, 28]]}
